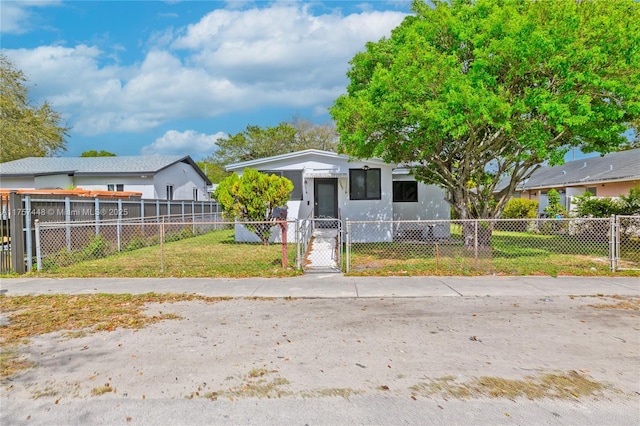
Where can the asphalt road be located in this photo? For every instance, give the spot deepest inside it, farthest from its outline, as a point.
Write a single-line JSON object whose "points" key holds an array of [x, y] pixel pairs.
{"points": [[330, 360]]}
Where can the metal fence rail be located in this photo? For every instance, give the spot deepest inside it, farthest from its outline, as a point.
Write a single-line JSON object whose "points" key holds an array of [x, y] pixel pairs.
{"points": [[510, 246]]}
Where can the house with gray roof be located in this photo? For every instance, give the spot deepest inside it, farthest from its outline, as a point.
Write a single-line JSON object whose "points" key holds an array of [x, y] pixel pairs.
{"points": [[164, 177], [610, 175]]}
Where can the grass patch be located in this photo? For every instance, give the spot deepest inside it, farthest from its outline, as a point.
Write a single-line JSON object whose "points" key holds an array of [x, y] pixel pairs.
{"points": [[101, 390], [215, 254], [253, 385], [77, 314], [570, 385], [511, 253], [11, 363], [625, 303]]}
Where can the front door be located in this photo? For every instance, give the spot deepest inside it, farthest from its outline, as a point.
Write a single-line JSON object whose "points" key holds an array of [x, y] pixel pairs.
{"points": [[325, 198]]}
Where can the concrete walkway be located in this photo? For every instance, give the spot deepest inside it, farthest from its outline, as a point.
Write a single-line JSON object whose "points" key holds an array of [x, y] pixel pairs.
{"points": [[322, 253], [334, 286]]}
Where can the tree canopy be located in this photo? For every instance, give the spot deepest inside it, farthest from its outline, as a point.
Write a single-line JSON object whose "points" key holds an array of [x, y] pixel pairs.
{"points": [[94, 153], [476, 94], [253, 197], [26, 130], [258, 142]]}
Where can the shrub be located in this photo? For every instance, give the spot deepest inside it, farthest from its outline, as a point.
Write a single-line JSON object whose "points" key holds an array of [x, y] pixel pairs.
{"points": [[554, 208], [589, 206], [520, 208]]}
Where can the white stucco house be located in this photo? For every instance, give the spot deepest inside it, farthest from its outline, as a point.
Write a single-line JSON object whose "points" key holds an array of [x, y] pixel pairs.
{"points": [[160, 177], [330, 185]]}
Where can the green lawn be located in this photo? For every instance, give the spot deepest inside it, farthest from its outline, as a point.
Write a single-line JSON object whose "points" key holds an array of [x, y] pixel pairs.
{"points": [[214, 254], [511, 253]]}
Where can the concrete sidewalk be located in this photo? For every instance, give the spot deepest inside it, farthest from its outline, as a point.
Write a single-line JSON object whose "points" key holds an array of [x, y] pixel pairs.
{"points": [[333, 286]]}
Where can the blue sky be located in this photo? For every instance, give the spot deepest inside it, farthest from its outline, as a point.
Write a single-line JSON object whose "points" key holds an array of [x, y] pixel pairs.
{"points": [[152, 77]]}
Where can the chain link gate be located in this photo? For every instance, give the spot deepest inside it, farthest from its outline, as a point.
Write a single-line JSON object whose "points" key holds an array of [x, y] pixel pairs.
{"points": [[627, 243], [321, 245]]}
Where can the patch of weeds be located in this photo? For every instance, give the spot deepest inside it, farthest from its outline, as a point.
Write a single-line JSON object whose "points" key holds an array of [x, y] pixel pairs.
{"points": [[570, 385], [257, 372], [43, 393], [331, 392], [101, 390], [77, 315], [11, 363], [621, 302], [251, 388]]}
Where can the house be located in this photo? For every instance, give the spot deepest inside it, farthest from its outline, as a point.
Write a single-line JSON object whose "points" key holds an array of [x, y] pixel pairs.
{"points": [[330, 185], [164, 177], [610, 175]]}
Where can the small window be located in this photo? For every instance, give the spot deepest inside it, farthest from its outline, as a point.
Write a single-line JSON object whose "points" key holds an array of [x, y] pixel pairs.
{"points": [[592, 190], [115, 187], [195, 194], [405, 191], [364, 184], [169, 192], [295, 176]]}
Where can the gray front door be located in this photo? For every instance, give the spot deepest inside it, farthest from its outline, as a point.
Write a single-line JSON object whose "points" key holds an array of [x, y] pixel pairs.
{"points": [[325, 198]]}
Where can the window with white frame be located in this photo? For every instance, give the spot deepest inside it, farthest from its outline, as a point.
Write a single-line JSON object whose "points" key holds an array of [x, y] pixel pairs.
{"points": [[195, 194], [115, 187], [169, 192]]}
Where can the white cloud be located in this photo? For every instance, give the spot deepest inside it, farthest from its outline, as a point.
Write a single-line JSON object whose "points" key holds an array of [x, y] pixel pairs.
{"points": [[229, 61], [17, 17], [188, 142]]}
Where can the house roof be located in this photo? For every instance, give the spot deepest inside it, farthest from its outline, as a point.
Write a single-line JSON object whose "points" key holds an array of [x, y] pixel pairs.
{"points": [[617, 166], [292, 155], [91, 166]]}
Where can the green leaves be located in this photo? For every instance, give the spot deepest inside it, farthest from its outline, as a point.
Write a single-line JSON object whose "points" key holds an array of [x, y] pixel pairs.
{"points": [[25, 130], [477, 88], [253, 197]]}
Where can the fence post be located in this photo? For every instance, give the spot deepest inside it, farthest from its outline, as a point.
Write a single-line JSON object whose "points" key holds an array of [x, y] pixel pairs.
{"points": [[298, 261], [119, 227], [613, 241], [348, 248], [15, 213], [162, 246], [157, 210], [27, 231], [67, 223], [193, 217], [475, 244], [38, 247], [96, 214]]}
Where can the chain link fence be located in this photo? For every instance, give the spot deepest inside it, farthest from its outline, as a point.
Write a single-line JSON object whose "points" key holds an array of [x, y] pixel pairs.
{"points": [[505, 246], [627, 243], [204, 246]]}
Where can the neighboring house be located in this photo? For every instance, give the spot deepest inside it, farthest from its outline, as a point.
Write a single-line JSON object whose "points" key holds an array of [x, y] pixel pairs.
{"points": [[329, 185], [611, 175], [164, 177]]}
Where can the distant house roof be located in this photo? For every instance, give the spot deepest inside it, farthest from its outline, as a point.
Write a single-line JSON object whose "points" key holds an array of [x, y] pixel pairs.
{"points": [[91, 166], [617, 166], [291, 155]]}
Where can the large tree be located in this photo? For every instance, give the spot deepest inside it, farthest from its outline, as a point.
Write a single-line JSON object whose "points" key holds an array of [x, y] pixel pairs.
{"points": [[475, 95], [253, 197], [258, 142], [94, 153], [26, 130]]}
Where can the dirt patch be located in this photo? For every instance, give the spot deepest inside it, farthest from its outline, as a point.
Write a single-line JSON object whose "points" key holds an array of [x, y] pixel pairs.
{"points": [[313, 348]]}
